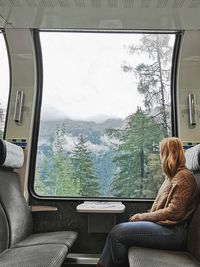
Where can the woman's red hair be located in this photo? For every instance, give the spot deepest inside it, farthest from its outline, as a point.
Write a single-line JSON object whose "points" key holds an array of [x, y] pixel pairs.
{"points": [[172, 156]]}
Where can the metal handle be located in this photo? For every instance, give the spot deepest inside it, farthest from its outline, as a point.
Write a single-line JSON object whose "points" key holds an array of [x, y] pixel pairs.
{"points": [[18, 106], [192, 110]]}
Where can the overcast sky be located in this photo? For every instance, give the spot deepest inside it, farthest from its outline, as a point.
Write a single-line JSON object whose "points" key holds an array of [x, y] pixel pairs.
{"points": [[83, 78]]}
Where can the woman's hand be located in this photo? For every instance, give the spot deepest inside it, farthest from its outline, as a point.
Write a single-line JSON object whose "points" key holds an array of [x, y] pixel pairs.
{"points": [[135, 218]]}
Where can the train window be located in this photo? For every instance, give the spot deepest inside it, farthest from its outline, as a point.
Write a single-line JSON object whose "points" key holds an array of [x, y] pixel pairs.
{"points": [[106, 105], [4, 83]]}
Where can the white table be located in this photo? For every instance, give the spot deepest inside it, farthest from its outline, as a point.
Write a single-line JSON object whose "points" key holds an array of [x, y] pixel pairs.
{"points": [[101, 215]]}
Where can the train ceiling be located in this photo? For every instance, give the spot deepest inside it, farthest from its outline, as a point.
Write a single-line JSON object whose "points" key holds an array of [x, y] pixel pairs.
{"points": [[101, 14]]}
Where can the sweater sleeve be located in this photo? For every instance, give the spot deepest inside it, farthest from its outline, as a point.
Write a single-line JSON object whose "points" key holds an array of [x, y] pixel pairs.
{"points": [[156, 201], [182, 196]]}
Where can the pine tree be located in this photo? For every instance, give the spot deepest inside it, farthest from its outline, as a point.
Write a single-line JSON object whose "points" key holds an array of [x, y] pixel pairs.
{"points": [[44, 169], [54, 176], [83, 171], [42, 186], [140, 137], [154, 173], [64, 183], [154, 76]]}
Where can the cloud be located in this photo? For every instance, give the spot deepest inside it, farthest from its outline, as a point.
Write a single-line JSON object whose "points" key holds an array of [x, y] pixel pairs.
{"points": [[108, 141], [51, 113], [71, 141], [97, 148]]}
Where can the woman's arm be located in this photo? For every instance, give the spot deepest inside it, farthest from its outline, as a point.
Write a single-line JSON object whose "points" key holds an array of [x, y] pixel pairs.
{"points": [[179, 207]]}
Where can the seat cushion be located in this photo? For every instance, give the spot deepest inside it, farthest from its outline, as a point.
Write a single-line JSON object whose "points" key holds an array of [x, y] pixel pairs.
{"points": [[146, 257], [17, 211], [4, 231], [194, 234], [63, 237], [49, 255]]}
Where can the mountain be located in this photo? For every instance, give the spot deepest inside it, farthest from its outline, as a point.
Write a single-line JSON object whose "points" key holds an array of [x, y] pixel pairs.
{"points": [[78, 127]]}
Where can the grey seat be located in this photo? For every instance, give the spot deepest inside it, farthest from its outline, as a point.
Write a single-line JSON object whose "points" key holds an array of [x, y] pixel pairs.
{"points": [[48, 255], [147, 257], [19, 247], [143, 257]]}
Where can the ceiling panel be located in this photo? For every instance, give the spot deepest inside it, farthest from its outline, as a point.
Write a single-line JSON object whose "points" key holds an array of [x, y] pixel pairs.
{"points": [[96, 14]]}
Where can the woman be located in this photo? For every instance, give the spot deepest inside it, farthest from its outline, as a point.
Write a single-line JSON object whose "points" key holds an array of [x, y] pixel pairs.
{"points": [[165, 226]]}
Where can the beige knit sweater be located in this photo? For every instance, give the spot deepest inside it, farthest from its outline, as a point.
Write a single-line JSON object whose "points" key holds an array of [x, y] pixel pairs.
{"points": [[176, 200]]}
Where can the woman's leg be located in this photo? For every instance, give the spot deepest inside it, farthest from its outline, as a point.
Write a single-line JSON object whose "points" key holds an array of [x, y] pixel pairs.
{"points": [[143, 234]]}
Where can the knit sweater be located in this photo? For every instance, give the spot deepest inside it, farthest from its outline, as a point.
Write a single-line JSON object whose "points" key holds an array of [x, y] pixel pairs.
{"points": [[176, 200]]}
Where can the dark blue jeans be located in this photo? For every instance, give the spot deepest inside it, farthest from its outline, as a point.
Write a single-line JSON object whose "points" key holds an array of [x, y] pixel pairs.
{"points": [[143, 234]]}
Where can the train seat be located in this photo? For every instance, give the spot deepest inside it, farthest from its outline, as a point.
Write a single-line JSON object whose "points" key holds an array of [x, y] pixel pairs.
{"points": [[147, 257], [18, 245], [48, 255]]}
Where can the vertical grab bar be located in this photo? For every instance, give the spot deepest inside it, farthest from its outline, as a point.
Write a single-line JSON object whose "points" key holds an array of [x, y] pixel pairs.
{"points": [[192, 110], [18, 107]]}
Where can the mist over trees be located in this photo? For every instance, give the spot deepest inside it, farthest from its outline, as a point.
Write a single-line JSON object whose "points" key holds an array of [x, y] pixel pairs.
{"points": [[54, 176], [67, 175]]}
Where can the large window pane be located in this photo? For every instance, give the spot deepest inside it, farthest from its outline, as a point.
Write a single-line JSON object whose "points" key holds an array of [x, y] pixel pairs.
{"points": [[106, 106], [4, 83]]}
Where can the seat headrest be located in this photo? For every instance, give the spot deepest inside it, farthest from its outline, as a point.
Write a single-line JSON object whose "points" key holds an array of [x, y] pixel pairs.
{"points": [[193, 158], [11, 156]]}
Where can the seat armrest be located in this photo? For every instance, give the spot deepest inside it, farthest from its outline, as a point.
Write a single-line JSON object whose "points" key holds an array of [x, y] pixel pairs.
{"points": [[43, 208]]}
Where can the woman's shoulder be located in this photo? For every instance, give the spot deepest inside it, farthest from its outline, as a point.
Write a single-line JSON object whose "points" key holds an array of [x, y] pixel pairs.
{"points": [[185, 172], [184, 176]]}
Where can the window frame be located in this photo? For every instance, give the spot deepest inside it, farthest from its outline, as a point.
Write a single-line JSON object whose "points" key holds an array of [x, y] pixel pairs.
{"points": [[38, 106], [10, 82]]}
